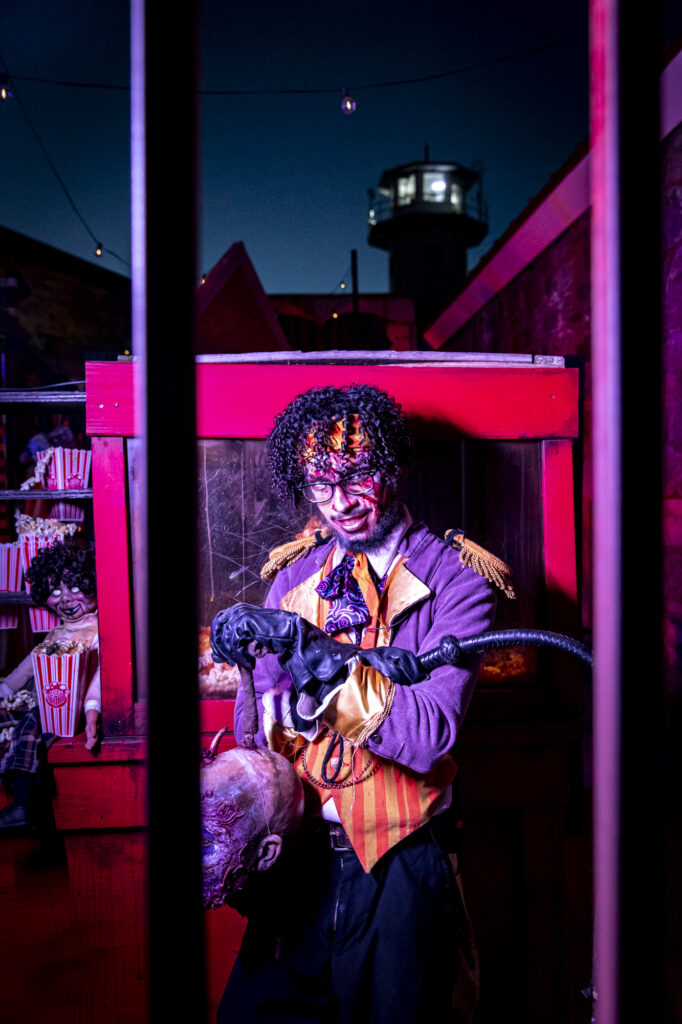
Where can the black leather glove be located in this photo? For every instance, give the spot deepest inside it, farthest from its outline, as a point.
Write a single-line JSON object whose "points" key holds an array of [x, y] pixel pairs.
{"points": [[403, 667], [313, 659], [305, 651]]}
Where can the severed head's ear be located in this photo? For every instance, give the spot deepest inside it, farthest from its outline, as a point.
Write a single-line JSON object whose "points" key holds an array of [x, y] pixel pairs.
{"points": [[269, 850]]}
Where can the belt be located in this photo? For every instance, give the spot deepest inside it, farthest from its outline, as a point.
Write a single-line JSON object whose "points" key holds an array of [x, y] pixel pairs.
{"points": [[338, 838]]}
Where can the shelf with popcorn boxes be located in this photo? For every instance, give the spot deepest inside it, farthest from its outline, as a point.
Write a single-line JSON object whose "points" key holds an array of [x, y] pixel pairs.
{"points": [[59, 473]]}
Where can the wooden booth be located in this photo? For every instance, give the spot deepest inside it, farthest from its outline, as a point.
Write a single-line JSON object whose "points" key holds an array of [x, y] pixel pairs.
{"points": [[495, 456]]}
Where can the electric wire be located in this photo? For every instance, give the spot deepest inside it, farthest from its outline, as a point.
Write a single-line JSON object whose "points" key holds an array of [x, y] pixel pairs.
{"points": [[416, 80], [60, 181]]}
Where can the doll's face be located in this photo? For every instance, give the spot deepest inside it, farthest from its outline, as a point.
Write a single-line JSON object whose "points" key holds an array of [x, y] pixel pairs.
{"points": [[70, 603]]}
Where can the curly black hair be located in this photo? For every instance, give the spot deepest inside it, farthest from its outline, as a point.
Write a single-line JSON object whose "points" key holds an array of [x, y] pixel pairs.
{"points": [[381, 416], [72, 562]]}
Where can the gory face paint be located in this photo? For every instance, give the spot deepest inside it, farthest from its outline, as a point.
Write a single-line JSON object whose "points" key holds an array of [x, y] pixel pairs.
{"points": [[226, 860], [249, 798], [70, 603], [360, 521]]}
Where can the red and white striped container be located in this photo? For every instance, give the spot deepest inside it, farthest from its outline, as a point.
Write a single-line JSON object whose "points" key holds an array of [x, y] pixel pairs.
{"points": [[11, 573], [30, 544], [66, 512], [60, 681], [68, 469]]}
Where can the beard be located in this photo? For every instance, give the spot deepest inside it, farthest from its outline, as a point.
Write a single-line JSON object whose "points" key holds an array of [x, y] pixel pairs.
{"points": [[389, 519]]}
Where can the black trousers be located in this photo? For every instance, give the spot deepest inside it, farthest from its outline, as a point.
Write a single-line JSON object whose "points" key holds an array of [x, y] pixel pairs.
{"points": [[330, 943]]}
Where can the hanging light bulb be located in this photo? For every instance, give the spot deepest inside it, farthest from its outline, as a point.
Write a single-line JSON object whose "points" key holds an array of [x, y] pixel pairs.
{"points": [[5, 88], [98, 250], [348, 104]]}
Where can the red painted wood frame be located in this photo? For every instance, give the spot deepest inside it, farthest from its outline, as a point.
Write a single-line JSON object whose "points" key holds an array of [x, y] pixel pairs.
{"points": [[240, 400]]}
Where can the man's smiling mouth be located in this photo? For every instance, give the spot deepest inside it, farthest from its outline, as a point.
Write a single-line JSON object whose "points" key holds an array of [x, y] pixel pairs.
{"points": [[349, 522]]}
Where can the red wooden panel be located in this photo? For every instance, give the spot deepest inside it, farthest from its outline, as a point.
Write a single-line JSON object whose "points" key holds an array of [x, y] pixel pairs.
{"points": [[72, 939], [100, 796], [560, 566], [559, 520], [110, 403], [112, 555], [214, 714], [72, 751], [242, 399]]}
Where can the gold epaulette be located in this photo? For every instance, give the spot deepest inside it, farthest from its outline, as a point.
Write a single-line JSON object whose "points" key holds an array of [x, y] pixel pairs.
{"points": [[287, 554], [482, 562]]}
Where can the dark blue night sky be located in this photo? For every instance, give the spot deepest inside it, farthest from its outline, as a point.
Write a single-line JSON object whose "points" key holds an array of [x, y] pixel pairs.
{"points": [[288, 175]]}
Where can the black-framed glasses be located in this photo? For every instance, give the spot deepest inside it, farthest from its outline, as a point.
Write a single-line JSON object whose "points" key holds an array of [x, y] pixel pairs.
{"points": [[356, 483]]}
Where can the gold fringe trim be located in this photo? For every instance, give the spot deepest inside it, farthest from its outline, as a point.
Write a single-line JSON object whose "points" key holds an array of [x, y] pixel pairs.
{"points": [[483, 562], [378, 719], [287, 554]]}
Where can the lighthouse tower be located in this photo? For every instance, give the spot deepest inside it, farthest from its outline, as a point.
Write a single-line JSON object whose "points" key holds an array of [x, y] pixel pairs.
{"points": [[426, 215]]}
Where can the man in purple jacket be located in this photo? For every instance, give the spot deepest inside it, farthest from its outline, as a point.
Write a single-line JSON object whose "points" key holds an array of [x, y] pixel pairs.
{"points": [[372, 925]]}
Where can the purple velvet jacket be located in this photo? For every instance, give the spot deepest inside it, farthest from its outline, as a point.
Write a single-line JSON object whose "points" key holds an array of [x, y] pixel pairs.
{"points": [[431, 595]]}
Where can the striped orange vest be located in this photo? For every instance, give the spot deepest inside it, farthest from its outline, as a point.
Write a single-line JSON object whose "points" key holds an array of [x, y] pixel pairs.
{"points": [[379, 802]]}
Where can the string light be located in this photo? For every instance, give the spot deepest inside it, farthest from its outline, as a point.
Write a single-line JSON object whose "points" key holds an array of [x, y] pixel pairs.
{"points": [[98, 250], [5, 88], [348, 104]]}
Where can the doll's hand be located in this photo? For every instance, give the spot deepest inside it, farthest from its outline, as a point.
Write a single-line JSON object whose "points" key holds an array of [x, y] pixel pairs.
{"points": [[91, 728]]}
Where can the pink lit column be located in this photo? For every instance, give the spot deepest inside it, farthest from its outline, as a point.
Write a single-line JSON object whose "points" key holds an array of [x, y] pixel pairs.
{"points": [[626, 343]]}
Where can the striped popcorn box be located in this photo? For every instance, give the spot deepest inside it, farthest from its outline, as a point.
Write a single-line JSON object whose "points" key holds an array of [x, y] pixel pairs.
{"points": [[66, 512], [60, 673], [69, 469], [30, 544], [11, 573]]}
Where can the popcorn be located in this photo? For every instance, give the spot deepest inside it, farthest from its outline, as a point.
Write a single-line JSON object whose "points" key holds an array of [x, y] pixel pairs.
{"points": [[39, 471], [42, 527], [215, 680], [21, 702], [35, 534], [23, 699], [51, 647]]}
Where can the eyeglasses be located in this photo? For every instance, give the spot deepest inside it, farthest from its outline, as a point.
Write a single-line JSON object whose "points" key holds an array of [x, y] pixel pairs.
{"points": [[322, 490]]}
